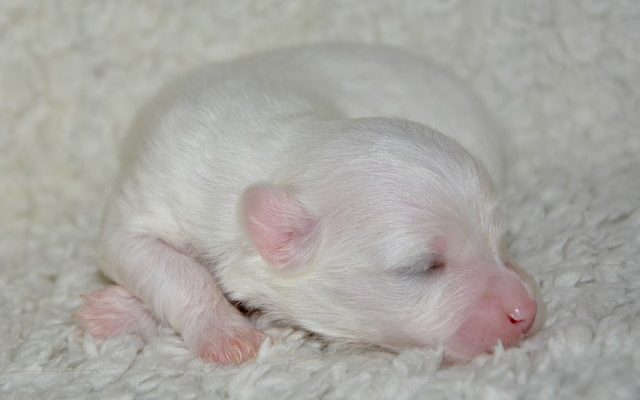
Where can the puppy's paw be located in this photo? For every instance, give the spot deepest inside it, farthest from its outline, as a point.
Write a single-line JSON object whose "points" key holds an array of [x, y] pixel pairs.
{"points": [[234, 345], [114, 311]]}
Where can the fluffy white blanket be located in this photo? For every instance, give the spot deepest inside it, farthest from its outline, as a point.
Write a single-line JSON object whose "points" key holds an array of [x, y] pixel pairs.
{"points": [[562, 76]]}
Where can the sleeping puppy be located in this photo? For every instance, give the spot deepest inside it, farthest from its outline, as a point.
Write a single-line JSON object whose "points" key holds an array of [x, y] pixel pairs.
{"points": [[317, 185]]}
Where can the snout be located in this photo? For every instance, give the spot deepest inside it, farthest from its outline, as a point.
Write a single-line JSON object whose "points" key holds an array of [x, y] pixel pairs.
{"points": [[505, 312]]}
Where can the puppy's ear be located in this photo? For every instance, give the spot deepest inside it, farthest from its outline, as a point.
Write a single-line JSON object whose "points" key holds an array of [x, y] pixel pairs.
{"points": [[280, 227]]}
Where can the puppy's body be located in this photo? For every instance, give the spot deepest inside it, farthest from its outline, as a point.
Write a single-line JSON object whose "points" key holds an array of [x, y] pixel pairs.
{"points": [[305, 182]]}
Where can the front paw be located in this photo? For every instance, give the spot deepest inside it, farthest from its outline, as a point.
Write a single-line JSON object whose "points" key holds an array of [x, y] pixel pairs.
{"points": [[229, 346]]}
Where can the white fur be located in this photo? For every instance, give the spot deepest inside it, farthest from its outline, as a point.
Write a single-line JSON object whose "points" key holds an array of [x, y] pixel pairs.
{"points": [[562, 75], [332, 126]]}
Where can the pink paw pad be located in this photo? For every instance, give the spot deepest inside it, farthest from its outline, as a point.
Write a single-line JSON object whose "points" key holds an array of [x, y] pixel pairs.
{"points": [[114, 311]]}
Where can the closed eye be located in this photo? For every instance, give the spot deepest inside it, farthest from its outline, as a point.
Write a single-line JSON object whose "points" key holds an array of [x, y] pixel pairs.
{"points": [[437, 266], [424, 264]]}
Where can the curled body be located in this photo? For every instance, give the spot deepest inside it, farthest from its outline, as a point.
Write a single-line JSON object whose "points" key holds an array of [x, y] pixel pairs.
{"points": [[344, 189]]}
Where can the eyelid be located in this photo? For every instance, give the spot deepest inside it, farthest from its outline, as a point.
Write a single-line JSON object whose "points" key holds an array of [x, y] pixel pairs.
{"points": [[418, 265]]}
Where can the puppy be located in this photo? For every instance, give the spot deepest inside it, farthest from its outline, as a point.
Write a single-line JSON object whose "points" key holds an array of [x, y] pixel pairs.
{"points": [[317, 185]]}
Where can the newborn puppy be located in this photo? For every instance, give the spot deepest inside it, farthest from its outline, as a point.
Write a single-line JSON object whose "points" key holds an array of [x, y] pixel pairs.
{"points": [[317, 185]]}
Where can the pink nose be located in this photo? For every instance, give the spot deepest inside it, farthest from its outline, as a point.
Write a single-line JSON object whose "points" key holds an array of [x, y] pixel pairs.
{"points": [[517, 307]]}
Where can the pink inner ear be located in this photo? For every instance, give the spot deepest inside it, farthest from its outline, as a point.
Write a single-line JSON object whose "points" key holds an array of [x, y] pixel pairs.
{"points": [[279, 225]]}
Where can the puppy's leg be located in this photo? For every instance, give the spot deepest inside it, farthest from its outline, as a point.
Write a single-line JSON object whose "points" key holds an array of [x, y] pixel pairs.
{"points": [[181, 292]]}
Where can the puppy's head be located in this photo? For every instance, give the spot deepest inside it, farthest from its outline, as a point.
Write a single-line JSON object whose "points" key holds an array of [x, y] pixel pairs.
{"points": [[389, 232]]}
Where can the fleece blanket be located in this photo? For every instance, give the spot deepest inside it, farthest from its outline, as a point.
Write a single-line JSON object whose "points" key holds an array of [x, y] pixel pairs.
{"points": [[562, 77]]}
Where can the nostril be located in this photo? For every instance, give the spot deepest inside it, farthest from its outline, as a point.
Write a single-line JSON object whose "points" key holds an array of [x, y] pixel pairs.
{"points": [[516, 316], [523, 317]]}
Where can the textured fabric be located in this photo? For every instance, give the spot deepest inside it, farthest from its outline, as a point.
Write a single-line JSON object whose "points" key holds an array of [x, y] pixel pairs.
{"points": [[562, 77]]}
